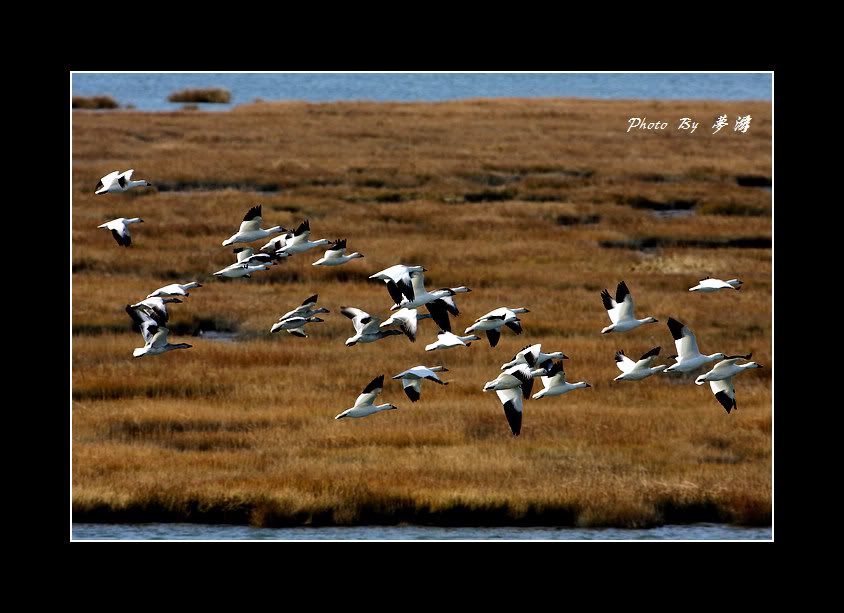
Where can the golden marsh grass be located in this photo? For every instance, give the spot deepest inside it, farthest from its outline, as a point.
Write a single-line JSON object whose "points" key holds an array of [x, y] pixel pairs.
{"points": [[512, 198]]}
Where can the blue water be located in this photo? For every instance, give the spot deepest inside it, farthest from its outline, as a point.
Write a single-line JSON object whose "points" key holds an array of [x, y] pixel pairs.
{"points": [[149, 91], [180, 532]]}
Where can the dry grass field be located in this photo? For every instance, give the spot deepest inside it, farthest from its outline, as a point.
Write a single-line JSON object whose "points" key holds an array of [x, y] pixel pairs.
{"points": [[536, 203]]}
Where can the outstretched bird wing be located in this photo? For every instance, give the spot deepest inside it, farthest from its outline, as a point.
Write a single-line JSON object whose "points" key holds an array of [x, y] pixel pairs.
{"points": [[624, 363], [252, 220], [107, 180], [361, 320], [439, 313], [624, 302], [511, 399], [684, 340], [407, 322], [725, 393], [147, 319], [556, 375], [338, 248], [413, 388], [371, 391], [648, 358]]}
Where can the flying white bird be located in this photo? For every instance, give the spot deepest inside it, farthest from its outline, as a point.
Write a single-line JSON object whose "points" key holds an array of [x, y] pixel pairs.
{"points": [[118, 182], [398, 281], [518, 376], [336, 255], [247, 263], [446, 340], [493, 321], [154, 334], [247, 255], [159, 307], [300, 241], [727, 368], [636, 371], [511, 386], [721, 379], [119, 229], [422, 296], [273, 247], [407, 320], [364, 404], [688, 355], [411, 379], [250, 228], [554, 383], [174, 289], [295, 325], [620, 311], [708, 285], [367, 328], [306, 309], [533, 356], [234, 271]]}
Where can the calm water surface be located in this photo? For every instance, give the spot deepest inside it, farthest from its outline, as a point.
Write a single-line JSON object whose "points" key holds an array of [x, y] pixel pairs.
{"points": [[149, 91], [129, 532]]}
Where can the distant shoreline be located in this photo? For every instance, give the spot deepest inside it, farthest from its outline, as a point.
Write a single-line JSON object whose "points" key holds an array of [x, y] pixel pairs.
{"points": [[265, 516], [210, 107]]}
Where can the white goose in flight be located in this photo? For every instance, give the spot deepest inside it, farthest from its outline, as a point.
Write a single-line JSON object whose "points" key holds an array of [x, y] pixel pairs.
{"points": [[708, 285], [532, 356], [272, 248], [247, 255], [118, 182], [407, 320], [398, 281], [493, 321], [250, 228], [620, 311], [554, 383], [235, 271], [119, 229], [159, 307], [295, 325], [727, 368], [155, 334], [411, 379], [364, 404], [636, 371], [445, 340], [367, 329], [246, 264], [688, 355], [422, 296], [174, 289], [519, 376], [306, 309], [146, 318], [721, 379], [300, 241], [336, 255]]}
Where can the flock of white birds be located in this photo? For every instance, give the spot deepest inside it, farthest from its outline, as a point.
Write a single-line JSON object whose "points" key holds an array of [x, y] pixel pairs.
{"points": [[406, 286]]}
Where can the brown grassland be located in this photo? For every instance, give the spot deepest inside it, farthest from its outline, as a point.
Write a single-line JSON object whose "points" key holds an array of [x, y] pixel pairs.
{"points": [[521, 200]]}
